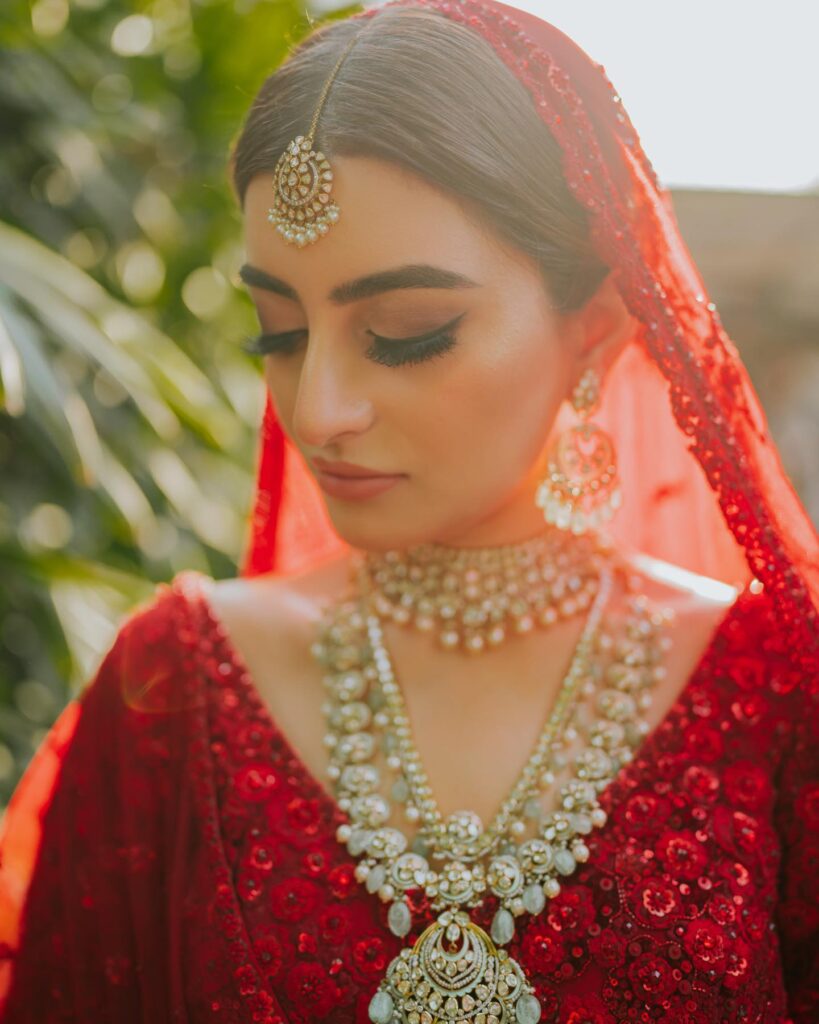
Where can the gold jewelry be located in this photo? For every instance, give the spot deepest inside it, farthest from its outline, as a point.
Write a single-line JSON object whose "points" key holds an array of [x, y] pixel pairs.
{"points": [[303, 209], [582, 490], [456, 971], [474, 598]]}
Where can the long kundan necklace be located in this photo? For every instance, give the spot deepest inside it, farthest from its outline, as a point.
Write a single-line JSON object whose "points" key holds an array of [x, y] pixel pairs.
{"points": [[456, 972]]}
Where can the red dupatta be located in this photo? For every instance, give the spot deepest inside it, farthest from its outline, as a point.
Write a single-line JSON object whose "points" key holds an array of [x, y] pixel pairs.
{"points": [[702, 481]]}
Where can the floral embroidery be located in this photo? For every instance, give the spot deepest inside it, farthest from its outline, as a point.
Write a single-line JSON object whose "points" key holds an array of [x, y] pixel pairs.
{"points": [[334, 923], [705, 941], [658, 903], [747, 784], [585, 1010], [543, 951], [309, 987], [269, 953], [370, 957], [644, 811], [294, 898], [681, 854]]}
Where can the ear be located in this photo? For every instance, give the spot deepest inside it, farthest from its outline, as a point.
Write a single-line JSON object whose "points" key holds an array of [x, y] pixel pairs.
{"points": [[601, 328]]}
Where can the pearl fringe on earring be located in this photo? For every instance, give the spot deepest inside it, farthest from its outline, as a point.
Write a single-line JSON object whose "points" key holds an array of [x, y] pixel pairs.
{"points": [[582, 490]]}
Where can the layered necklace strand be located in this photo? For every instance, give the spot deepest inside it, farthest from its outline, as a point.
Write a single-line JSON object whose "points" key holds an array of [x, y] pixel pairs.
{"points": [[456, 972]]}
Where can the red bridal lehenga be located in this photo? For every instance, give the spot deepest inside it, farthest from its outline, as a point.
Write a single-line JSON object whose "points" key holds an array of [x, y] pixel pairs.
{"points": [[168, 856]]}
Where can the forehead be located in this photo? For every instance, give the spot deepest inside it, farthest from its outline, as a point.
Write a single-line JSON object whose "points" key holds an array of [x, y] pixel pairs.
{"points": [[388, 217]]}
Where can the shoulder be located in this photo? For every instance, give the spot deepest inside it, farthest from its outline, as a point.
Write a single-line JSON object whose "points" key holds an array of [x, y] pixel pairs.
{"points": [[145, 669], [683, 589], [701, 605], [739, 626], [302, 599], [114, 733], [696, 597], [747, 634], [288, 608], [281, 612], [277, 613], [299, 597]]}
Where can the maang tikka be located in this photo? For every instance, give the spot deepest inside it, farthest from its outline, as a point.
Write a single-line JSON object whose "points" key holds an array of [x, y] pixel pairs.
{"points": [[303, 209], [581, 491]]}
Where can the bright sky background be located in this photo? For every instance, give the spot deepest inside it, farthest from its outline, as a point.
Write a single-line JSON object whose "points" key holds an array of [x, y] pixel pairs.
{"points": [[723, 93]]}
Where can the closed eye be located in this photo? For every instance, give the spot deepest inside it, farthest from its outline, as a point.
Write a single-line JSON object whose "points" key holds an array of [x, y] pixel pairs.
{"points": [[383, 350], [267, 343]]}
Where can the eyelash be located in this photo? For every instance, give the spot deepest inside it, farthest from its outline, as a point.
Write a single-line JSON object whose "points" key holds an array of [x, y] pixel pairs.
{"points": [[386, 351]]}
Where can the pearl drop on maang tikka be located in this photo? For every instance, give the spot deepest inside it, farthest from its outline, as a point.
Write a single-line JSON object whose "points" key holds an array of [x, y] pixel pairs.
{"points": [[302, 209]]}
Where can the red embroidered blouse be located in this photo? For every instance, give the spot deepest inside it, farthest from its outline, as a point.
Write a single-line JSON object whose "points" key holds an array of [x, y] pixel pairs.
{"points": [[189, 872]]}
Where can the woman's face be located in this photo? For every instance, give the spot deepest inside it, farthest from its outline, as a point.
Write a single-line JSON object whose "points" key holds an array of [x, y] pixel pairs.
{"points": [[464, 420]]}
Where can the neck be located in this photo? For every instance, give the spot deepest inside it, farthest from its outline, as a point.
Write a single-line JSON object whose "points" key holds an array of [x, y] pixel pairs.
{"points": [[540, 536], [514, 523]]}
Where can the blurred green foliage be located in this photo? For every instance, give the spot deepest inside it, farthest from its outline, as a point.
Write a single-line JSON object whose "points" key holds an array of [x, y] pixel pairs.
{"points": [[128, 412]]}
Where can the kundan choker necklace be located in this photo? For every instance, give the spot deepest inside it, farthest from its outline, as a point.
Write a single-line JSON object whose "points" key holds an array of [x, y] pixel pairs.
{"points": [[474, 598], [455, 972]]}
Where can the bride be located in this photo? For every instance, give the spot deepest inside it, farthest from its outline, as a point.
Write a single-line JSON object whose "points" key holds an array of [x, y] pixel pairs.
{"points": [[511, 714]]}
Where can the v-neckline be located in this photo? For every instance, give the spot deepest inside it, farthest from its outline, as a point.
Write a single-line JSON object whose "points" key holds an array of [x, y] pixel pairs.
{"points": [[247, 684]]}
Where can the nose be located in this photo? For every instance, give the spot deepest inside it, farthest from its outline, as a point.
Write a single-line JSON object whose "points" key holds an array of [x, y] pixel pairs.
{"points": [[329, 402]]}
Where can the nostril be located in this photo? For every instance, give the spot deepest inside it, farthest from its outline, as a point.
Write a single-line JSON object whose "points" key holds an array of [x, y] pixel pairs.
{"points": [[319, 421]]}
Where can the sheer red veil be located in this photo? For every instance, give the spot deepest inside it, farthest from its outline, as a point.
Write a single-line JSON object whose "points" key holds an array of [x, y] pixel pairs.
{"points": [[703, 486]]}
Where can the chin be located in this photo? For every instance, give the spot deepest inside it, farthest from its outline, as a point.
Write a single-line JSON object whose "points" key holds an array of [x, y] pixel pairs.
{"points": [[381, 533]]}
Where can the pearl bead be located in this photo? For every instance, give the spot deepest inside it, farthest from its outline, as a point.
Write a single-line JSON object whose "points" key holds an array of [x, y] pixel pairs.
{"points": [[551, 888]]}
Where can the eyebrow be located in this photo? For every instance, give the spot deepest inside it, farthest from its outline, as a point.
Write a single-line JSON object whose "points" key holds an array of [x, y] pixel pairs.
{"points": [[413, 275]]}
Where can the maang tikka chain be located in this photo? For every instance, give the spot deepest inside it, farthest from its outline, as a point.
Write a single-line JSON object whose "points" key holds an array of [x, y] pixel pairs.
{"points": [[581, 491], [303, 210]]}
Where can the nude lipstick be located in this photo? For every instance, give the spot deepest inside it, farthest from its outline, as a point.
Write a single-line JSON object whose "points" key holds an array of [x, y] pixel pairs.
{"points": [[349, 482]]}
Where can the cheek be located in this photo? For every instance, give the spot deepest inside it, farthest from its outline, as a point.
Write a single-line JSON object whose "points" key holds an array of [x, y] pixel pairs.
{"points": [[504, 401], [281, 384]]}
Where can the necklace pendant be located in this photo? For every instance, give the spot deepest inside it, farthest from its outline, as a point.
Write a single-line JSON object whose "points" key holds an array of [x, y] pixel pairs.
{"points": [[454, 974]]}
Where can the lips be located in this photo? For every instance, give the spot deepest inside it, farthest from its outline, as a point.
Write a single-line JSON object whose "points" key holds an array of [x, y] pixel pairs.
{"points": [[349, 471], [350, 488]]}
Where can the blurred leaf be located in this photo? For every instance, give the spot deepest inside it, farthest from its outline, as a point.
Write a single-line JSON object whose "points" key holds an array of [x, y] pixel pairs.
{"points": [[127, 425]]}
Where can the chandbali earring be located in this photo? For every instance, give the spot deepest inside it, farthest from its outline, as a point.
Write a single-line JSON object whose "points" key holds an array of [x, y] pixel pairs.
{"points": [[582, 489]]}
